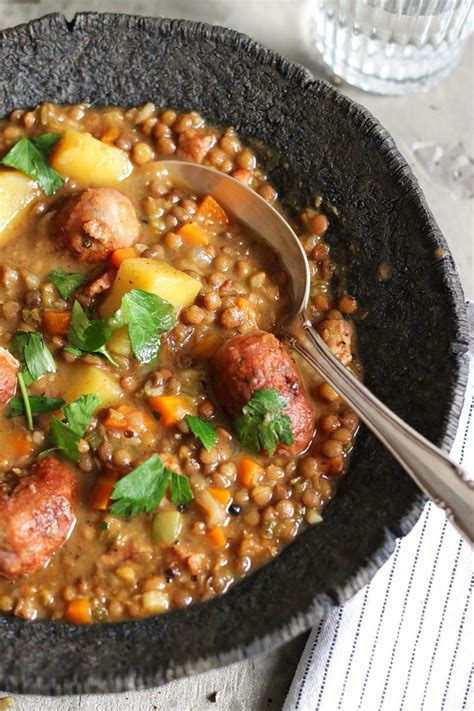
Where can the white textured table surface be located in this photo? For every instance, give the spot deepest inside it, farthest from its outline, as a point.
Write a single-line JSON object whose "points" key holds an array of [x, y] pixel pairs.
{"points": [[435, 133]]}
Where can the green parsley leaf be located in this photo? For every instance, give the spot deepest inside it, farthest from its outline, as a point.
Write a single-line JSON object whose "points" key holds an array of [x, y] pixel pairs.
{"points": [[142, 489], [203, 430], [30, 156], [35, 356], [148, 317], [45, 141], [181, 492], [38, 359], [18, 343], [66, 434], [263, 424], [37, 404], [88, 336], [263, 401], [25, 401], [104, 526], [247, 433], [65, 439], [66, 282], [79, 412], [74, 351]]}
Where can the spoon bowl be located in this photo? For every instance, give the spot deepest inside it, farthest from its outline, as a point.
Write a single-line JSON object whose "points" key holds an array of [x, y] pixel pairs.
{"points": [[441, 479]]}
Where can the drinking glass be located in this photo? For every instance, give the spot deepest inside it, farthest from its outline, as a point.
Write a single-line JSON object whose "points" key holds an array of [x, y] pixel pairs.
{"points": [[391, 46]]}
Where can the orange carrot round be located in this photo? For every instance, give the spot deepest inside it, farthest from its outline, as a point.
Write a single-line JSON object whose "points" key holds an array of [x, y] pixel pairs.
{"points": [[56, 323], [79, 611]]}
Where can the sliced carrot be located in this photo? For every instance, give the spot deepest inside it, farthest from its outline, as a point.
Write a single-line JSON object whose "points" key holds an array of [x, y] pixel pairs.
{"points": [[248, 471], [171, 408], [56, 323], [115, 420], [223, 496], [210, 211], [79, 611], [120, 255], [102, 491], [117, 417], [194, 234], [217, 537], [126, 417], [207, 346]]}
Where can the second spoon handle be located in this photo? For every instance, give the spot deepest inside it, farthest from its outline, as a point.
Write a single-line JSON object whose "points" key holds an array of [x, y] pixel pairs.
{"points": [[441, 479]]}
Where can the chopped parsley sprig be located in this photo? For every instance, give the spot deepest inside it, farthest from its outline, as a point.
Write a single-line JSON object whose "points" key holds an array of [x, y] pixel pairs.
{"points": [[65, 434], [87, 335], [25, 400], [30, 156], [263, 425], [36, 360], [36, 403], [34, 355], [66, 282], [204, 431], [146, 315], [142, 490]]}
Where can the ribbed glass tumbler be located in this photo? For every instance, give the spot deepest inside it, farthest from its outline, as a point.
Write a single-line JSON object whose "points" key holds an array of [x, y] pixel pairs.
{"points": [[391, 46]]}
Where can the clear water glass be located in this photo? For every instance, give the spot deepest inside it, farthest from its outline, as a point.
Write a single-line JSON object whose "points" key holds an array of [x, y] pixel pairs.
{"points": [[391, 46]]}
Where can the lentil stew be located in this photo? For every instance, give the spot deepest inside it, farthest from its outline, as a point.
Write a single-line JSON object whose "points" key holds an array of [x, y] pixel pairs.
{"points": [[158, 442]]}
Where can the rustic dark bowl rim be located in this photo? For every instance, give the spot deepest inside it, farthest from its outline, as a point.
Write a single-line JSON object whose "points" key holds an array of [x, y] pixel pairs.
{"points": [[106, 680]]}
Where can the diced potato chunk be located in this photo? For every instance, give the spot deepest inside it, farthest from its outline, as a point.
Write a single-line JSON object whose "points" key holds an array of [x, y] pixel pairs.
{"points": [[154, 276], [119, 343], [17, 191], [90, 162], [85, 379]]}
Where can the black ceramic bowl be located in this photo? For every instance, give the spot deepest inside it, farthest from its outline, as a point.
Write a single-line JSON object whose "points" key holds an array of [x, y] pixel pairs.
{"points": [[412, 341]]}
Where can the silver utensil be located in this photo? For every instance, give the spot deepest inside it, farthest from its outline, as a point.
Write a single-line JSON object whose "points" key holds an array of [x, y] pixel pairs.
{"points": [[441, 479]]}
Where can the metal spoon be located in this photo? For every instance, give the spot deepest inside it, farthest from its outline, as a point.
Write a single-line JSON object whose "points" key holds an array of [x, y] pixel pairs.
{"points": [[441, 479]]}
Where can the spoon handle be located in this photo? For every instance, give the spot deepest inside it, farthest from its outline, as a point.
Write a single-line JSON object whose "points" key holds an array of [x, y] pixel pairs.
{"points": [[441, 479]]}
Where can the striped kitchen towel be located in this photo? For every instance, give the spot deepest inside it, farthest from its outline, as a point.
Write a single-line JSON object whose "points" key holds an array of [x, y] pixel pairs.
{"points": [[405, 641]]}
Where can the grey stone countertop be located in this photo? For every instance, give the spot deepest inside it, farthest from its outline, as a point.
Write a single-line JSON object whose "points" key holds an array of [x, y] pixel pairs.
{"points": [[434, 131]]}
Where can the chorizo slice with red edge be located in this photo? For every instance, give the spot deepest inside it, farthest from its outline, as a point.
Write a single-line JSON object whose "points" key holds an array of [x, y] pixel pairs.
{"points": [[36, 517], [257, 360], [95, 222], [9, 368]]}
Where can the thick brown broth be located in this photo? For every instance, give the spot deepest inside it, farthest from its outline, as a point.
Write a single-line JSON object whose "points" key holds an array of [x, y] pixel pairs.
{"points": [[114, 565]]}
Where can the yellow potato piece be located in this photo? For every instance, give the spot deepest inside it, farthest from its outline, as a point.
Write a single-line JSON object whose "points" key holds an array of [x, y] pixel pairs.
{"points": [[17, 191], [154, 276], [119, 343], [72, 381], [88, 161]]}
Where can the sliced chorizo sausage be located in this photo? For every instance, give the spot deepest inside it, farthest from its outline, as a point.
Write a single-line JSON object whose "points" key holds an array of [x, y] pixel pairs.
{"points": [[36, 517], [96, 221], [9, 368], [257, 360]]}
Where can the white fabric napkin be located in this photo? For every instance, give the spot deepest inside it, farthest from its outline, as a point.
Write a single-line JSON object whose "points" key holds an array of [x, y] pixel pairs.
{"points": [[405, 641]]}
